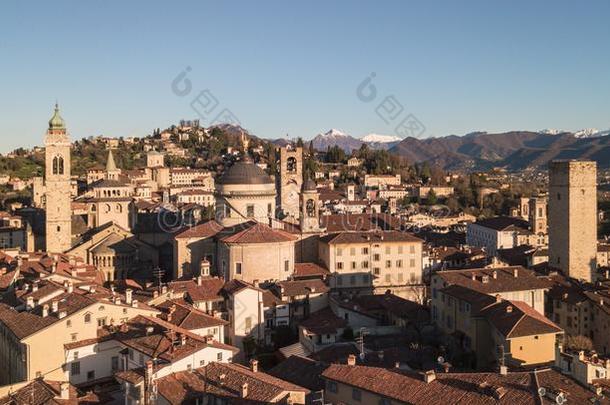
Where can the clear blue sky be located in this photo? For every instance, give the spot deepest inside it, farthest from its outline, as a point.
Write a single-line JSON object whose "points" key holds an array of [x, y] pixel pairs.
{"points": [[293, 67]]}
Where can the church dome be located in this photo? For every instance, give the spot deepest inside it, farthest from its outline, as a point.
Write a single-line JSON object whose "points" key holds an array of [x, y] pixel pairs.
{"points": [[310, 185], [56, 122], [245, 172]]}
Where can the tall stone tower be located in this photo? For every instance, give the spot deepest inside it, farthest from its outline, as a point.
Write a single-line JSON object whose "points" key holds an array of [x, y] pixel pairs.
{"points": [[572, 218], [57, 186], [291, 180]]}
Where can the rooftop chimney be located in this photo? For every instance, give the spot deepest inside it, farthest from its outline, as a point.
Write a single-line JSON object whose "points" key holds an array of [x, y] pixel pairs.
{"points": [[429, 376], [516, 273], [54, 306], [64, 390], [134, 303], [182, 339], [509, 309], [45, 310], [503, 370], [495, 274], [149, 371], [29, 304], [254, 365], [351, 360], [244, 390], [70, 288], [128, 296], [205, 268], [35, 287], [62, 314]]}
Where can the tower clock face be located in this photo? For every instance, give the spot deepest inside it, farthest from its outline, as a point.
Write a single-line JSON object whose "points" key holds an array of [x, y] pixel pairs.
{"points": [[293, 196]]}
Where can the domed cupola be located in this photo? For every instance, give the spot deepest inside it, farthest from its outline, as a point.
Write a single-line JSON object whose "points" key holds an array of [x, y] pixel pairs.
{"points": [[56, 122]]}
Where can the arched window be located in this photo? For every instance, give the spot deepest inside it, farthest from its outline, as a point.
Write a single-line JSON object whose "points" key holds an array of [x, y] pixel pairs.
{"points": [[107, 208], [310, 206], [119, 208], [291, 164], [58, 165]]}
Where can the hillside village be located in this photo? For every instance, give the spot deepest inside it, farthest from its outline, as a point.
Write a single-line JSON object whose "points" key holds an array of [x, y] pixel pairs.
{"points": [[210, 266]]}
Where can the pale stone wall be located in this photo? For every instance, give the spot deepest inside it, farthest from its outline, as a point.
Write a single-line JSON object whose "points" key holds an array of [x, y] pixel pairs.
{"points": [[259, 261], [375, 265], [573, 218], [235, 203], [45, 349]]}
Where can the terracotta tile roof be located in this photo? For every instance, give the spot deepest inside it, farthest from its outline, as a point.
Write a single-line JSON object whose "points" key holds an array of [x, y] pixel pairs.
{"points": [[301, 371], [503, 223], [157, 339], [26, 323], [270, 299], [225, 380], [205, 230], [516, 319], [209, 289], [187, 317], [7, 279], [379, 304], [462, 388], [372, 237], [505, 280], [309, 270], [255, 232], [292, 288], [323, 322], [39, 392], [477, 300], [235, 285], [359, 222]]}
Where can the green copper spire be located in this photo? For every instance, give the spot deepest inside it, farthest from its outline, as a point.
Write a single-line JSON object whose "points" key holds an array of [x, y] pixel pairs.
{"points": [[56, 122]]}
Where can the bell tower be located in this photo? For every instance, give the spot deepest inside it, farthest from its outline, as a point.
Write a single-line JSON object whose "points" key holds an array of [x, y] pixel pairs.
{"points": [[58, 211], [310, 213], [291, 180]]}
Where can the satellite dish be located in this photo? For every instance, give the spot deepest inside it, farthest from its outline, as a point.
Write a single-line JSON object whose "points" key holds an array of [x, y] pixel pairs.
{"points": [[542, 391], [440, 360]]}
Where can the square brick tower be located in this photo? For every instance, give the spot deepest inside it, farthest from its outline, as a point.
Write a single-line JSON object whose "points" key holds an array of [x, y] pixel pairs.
{"points": [[573, 218]]}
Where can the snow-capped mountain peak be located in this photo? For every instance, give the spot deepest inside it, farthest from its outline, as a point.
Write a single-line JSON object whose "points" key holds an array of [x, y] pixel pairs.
{"points": [[582, 133], [333, 133], [378, 138]]}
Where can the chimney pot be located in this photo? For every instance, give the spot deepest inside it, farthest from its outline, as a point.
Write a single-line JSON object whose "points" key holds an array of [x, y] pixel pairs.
{"points": [[429, 376], [254, 365], [64, 390], [128, 296], [351, 360], [244, 390]]}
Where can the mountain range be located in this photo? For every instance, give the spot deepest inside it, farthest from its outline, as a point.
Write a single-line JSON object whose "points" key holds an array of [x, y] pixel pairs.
{"points": [[514, 150]]}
